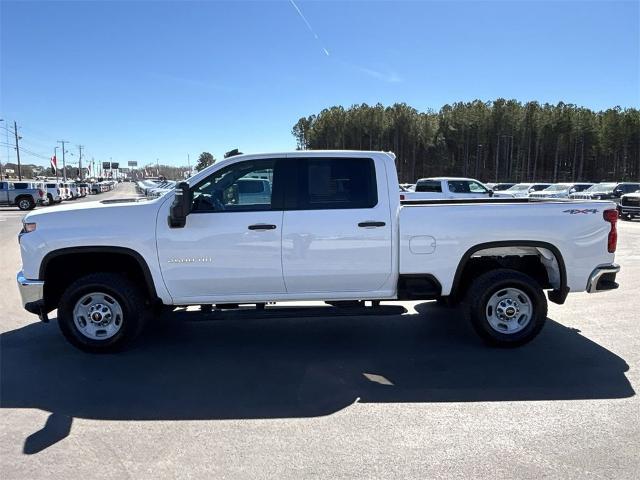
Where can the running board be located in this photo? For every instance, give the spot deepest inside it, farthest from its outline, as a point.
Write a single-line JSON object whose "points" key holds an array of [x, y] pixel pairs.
{"points": [[250, 313]]}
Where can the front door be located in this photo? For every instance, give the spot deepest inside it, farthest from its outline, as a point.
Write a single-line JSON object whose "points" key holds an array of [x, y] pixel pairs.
{"points": [[231, 243], [467, 189]]}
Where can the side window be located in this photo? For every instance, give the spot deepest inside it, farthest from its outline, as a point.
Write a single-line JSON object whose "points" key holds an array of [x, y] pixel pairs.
{"points": [[332, 183], [245, 186], [458, 186], [432, 186], [3, 185], [580, 188], [475, 187]]}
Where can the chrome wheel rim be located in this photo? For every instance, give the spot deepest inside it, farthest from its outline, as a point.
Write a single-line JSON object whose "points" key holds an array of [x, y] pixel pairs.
{"points": [[509, 311], [98, 316], [24, 204]]}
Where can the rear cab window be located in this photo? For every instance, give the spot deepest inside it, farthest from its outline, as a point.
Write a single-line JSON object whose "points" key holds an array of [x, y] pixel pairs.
{"points": [[430, 186], [333, 183]]}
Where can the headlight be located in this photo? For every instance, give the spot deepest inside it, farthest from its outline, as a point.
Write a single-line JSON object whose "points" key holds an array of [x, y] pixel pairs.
{"points": [[28, 227]]}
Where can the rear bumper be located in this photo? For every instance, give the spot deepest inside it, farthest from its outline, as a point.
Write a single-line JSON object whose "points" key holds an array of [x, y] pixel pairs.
{"points": [[603, 279], [32, 295]]}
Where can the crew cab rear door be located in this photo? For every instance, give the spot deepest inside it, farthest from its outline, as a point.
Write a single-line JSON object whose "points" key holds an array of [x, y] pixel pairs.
{"points": [[337, 229]]}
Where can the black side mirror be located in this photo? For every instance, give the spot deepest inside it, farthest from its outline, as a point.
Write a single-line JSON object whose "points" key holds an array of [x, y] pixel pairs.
{"points": [[181, 206], [490, 192]]}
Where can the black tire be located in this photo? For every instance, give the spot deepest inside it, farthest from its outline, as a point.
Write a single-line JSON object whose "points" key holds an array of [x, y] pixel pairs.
{"points": [[493, 282], [50, 198], [25, 203], [132, 302]]}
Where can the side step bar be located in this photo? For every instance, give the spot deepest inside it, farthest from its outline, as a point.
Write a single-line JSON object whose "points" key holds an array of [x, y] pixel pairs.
{"points": [[250, 313]]}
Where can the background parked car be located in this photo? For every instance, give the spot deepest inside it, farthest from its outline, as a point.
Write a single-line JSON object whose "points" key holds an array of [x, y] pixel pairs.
{"points": [[607, 191], [522, 190], [499, 187], [629, 206], [560, 190], [24, 196], [447, 187], [52, 190]]}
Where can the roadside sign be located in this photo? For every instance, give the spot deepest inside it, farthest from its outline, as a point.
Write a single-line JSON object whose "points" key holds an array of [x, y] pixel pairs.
{"points": [[106, 165], [132, 163]]}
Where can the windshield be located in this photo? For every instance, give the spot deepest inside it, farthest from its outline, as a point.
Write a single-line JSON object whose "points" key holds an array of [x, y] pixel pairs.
{"points": [[560, 187], [519, 187], [601, 187]]}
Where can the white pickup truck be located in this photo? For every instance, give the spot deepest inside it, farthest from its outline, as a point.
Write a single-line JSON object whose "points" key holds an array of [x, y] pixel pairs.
{"points": [[447, 187], [332, 228]]}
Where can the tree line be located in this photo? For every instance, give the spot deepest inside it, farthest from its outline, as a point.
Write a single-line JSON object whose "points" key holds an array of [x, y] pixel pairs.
{"points": [[503, 140]]}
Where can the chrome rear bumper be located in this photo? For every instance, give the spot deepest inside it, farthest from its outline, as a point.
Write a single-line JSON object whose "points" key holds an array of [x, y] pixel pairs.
{"points": [[603, 279]]}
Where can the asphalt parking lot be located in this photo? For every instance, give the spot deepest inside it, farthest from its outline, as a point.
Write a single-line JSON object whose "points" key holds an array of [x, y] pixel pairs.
{"points": [[399, 396]]}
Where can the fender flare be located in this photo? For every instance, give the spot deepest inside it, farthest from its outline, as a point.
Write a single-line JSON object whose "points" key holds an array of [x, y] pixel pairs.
{"points": [[146, 272], [557, 296]]}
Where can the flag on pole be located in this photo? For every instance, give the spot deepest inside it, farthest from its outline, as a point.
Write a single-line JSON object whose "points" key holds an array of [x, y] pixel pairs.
{"points": [[54, 164]]}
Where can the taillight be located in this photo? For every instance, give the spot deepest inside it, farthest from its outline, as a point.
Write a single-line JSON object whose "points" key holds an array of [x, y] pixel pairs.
{"points": [[611, 216], [41, 193]]}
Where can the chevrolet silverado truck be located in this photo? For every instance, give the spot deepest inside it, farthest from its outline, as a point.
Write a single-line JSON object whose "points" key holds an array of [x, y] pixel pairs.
{"points": [[23, 195], [332, 228], [629, 206]]}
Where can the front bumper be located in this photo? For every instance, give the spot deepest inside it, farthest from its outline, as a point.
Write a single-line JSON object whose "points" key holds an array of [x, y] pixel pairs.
{"points": [[32, 295], [603, 279], [628, 210]]}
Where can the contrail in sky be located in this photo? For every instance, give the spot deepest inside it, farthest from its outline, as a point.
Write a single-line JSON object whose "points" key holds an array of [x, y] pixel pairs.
{"points": [[326, 52]]}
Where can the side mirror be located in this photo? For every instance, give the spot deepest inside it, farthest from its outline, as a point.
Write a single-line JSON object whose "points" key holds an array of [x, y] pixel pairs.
{"points": [[181, 206], [490, 192]]}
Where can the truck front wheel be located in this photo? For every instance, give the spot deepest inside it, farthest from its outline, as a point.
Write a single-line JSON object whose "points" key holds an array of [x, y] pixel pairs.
{"points": [[101, 312], [507, 308]]}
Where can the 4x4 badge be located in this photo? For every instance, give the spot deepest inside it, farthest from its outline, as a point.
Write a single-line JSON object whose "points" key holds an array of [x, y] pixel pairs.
{"points": [[573, 211]]}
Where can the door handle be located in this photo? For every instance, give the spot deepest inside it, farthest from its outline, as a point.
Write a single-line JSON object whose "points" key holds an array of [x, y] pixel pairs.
{"points": [[262, 226], [371, 224]]}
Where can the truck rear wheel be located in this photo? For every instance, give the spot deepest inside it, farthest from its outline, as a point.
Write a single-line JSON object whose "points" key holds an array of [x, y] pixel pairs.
{"points": [[101, 312], [26, 203], [507, 308]]}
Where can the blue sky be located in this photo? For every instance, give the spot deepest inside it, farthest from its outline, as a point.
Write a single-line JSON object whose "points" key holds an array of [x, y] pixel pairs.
{"points": [[145, 80]]}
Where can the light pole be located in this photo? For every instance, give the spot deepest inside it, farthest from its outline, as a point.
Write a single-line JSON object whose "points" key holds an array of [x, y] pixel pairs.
{"points": [[2, 120]]}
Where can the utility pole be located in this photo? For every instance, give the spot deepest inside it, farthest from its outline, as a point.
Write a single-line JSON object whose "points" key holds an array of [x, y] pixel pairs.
{"points": [[15, 131], [7, 132], [80, 147], [189, 164], [64, 165]]}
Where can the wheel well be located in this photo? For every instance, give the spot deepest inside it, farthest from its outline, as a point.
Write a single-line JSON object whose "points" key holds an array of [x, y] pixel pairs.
{"points": [[60, 269], [540, 263]]}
